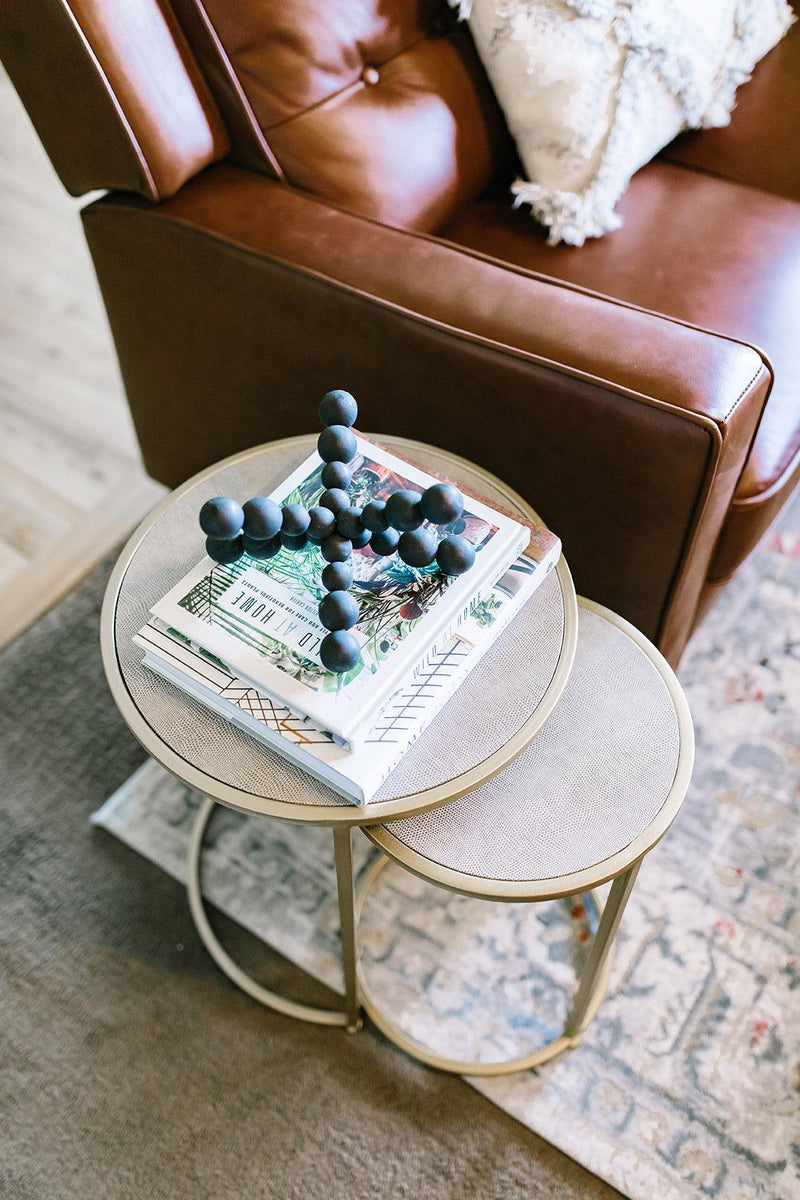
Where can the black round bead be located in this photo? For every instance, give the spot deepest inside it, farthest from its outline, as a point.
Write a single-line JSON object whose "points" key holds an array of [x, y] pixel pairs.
{"points": [[337, 577], [261, 547], [455, 556], [262, 517], [418, 548], [335, 499], [295, 520], [293, 541], [338, 610], [337, 443], [336, 475], [336, 548], [225, 550], [221, 518], [373, 516], [321, 522], [361, 539], [384, 542], [348, 521], [403, 511], [340, 652], [441, 503], [338, 408]]}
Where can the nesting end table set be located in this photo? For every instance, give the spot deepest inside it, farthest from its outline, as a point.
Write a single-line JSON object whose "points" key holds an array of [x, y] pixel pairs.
{"points": [[559, 763]]}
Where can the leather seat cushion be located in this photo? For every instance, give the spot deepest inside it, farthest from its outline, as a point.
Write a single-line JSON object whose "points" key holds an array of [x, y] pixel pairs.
{"points": [[760, 146], [708, 251], [379, 105]]}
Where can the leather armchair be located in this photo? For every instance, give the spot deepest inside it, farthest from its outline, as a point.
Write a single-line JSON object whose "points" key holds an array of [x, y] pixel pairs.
{"points": [[308, 196]]}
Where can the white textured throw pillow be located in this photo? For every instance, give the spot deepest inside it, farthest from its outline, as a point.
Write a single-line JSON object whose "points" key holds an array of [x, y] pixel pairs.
{"points": [[592, 89]]}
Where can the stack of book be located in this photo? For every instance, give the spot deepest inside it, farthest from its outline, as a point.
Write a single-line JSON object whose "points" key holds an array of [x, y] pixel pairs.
{"points": [[244, 638]]}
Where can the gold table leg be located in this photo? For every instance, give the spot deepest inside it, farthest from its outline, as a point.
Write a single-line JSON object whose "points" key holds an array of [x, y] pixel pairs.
{"points": [[592, 988], [348, 1018], [343, 854]]}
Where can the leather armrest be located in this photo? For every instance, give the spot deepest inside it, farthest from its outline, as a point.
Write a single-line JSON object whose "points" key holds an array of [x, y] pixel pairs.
{"points": [[238, 301]]}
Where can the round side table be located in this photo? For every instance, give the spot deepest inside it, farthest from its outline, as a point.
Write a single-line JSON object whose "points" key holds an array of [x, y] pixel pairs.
{"points": [[591, 794], [524, 672]]}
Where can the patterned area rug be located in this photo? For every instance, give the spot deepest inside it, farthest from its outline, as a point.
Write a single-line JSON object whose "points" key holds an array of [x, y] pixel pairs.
{"points": [[687, 1084]]}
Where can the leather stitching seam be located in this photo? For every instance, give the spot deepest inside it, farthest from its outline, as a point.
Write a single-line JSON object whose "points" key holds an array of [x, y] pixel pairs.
{"points": [[743, 393]]}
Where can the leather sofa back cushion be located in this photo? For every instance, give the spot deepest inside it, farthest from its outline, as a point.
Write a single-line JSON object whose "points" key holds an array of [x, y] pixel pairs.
{"points": [[362, 102]]}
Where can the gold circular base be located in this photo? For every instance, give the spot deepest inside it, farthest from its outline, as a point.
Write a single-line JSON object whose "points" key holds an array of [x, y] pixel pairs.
{"points": [[429, 1056], [290, 1008]]}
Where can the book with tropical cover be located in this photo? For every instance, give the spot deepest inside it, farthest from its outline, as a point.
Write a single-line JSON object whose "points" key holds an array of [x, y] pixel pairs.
{"points": [[356, 774], [260, 616]]}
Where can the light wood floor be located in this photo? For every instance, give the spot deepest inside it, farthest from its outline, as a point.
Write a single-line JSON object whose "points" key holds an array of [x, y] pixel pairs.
{"points": [[71, 481]]}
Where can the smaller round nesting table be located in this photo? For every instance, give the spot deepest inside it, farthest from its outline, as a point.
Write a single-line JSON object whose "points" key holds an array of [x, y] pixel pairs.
{"points": [[582, 805]]}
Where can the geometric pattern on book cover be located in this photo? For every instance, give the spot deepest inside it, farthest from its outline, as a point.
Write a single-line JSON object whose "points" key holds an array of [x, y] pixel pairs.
{"points": [[408, 705], [274, 716]]}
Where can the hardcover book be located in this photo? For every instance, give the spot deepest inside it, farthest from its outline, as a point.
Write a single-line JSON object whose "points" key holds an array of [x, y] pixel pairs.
{"points": [[355, 774], [260, 617]]}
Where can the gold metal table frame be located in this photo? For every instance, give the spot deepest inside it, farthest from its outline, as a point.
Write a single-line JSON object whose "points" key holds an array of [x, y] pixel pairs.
{"points": [[350, 1016], [340, 818]]}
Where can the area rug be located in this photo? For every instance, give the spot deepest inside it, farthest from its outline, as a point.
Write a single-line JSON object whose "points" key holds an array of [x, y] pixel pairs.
{"points": [[687, 1084]]}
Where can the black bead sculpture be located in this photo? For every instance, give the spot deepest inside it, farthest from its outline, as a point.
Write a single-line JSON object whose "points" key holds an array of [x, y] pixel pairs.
{"points": [[260, 528]]}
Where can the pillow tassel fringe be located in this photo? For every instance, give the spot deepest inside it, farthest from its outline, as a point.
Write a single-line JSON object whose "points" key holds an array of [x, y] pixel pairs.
{"points": [[568, 217]]}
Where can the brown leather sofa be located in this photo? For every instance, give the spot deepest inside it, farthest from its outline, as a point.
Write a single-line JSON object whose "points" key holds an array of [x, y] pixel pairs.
{"points": [[305, 194]]}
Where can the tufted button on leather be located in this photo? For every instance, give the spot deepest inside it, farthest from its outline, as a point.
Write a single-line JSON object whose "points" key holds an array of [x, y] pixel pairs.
{"points": [[370, 76]]}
